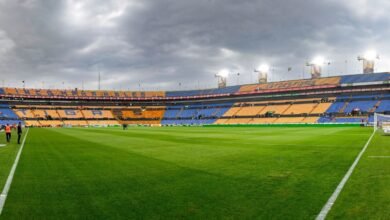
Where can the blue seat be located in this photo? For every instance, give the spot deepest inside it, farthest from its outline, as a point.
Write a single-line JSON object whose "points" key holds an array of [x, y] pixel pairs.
{"points": [[227, 90], [384, 106], [350, 120], [363, 106], [360, 78], [335, 107], [6, 113], [195, 113]]}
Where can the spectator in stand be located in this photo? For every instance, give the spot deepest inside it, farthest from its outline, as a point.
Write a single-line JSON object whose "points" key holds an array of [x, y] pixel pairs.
{"points": [[8, 133], [19, 131]]}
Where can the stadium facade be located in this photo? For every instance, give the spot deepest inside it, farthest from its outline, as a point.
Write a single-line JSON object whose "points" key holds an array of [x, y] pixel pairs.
{"points": [[338, 99]]}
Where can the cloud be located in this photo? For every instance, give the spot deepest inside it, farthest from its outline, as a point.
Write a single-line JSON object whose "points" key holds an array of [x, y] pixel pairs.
{"points": [[6, 44], [160, 44], [365, 9]]}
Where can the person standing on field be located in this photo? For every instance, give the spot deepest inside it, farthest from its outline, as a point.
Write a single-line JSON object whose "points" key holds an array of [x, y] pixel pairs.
{"points": [[8, 132], [19, 131]]}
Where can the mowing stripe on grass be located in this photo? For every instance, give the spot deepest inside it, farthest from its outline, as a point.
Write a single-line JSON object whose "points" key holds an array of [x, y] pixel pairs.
{"points": [[325, 210], [7, 185]]}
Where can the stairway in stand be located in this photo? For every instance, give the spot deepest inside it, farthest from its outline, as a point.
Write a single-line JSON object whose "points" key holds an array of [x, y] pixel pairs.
{"points": [[373, 109], [344, 107]]}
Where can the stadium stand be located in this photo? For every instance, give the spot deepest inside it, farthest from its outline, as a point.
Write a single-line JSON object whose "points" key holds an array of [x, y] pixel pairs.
{"points": [[195, 114], [361, 78], [333, 81], [227, 90], [340, 99], [383, 106], [82, 93]]}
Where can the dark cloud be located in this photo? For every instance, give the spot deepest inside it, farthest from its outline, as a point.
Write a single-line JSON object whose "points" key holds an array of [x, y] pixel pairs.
{"points": [[157, 44]]}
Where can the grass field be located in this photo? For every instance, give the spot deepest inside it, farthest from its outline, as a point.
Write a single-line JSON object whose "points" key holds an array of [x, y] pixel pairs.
{"points": [[196, 173]]}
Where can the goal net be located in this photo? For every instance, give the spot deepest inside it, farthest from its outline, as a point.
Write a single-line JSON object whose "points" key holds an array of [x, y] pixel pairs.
{"points": [[382, 122]]}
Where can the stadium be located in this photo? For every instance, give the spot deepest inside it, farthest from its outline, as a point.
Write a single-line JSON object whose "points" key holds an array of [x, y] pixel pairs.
{"points": [[351, 99], [202, 131], [243, 150]]}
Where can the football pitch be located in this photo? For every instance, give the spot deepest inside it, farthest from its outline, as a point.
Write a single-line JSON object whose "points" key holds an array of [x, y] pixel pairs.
{"points": [[196, 173]]}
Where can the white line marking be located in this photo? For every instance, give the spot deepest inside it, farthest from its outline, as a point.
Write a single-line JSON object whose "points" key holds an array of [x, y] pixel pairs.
{"points": [[3, 145], [325, 210], [378, 156], [7, 185]]}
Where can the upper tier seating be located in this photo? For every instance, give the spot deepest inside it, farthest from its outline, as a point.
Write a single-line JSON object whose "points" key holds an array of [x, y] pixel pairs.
{"points": [[82, 93], [365, 78], [291, 84], [227, 90]]}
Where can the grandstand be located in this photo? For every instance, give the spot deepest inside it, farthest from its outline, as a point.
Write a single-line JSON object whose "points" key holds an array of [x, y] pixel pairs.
{"points": [[340, 99], [208, 150]]}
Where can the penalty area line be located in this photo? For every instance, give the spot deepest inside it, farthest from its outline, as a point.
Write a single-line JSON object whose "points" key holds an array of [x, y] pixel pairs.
{"points": [[378, 156], [325, 210], [7, 185]]}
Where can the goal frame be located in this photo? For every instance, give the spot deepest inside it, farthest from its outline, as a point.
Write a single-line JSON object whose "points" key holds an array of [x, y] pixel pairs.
{"points": [[379, 124]]}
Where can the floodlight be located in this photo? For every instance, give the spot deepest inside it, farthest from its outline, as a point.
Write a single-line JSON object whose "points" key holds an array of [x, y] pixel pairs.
{"points": [[223, 73], [319, 61], [263, 68], [371, 55], [369, 59]]}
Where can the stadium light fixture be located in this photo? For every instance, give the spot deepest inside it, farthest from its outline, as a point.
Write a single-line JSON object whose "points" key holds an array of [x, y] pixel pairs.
{"points": [[369, 59], [263, 68], [263, 71], [222, 76], [371, 55], [319, 61], [223, 73]]}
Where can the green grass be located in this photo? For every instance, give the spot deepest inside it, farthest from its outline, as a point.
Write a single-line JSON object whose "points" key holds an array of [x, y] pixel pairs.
{"points": [[367, 193], [186, 172], [7, 156]]}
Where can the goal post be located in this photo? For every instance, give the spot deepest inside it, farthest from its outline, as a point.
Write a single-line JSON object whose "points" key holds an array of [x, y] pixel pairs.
{"points": [[382, 122]]}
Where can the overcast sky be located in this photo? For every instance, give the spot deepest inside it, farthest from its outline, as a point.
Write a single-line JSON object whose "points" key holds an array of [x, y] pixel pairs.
{"points": [[159, 44]]}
